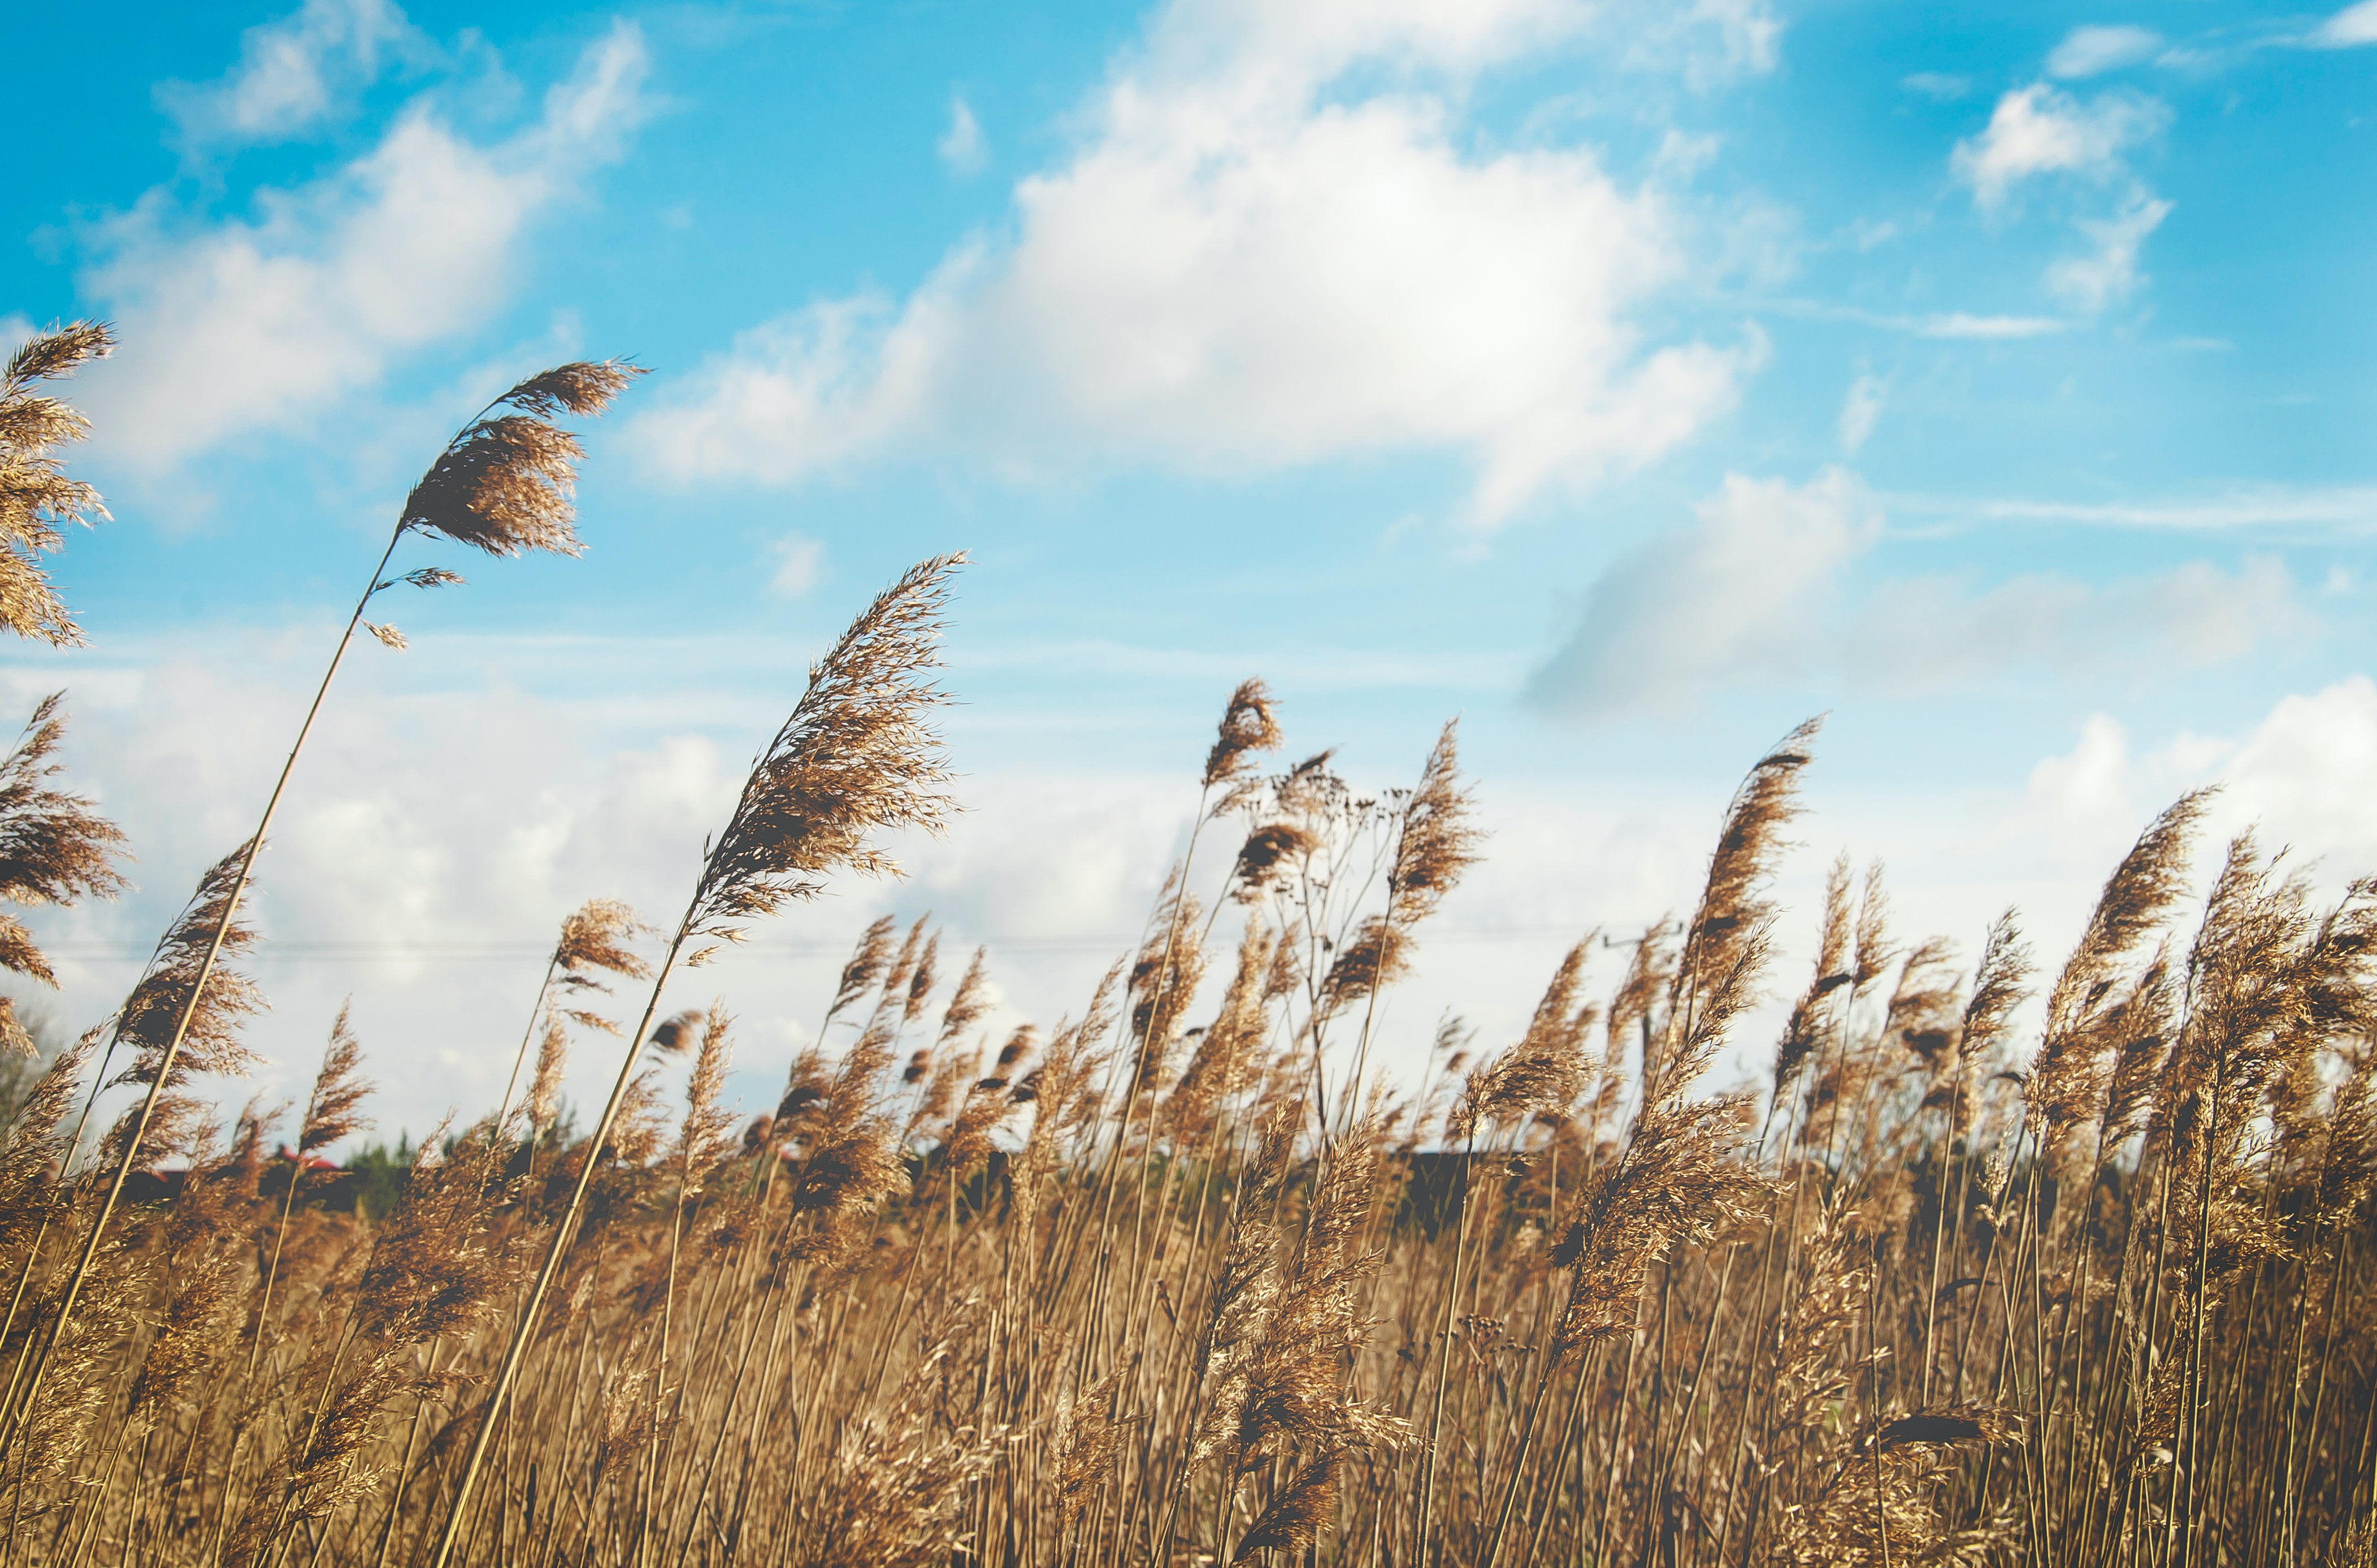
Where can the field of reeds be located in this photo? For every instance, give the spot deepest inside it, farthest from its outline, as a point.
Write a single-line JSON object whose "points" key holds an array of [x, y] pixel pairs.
{"points": [[2004, 1259]]}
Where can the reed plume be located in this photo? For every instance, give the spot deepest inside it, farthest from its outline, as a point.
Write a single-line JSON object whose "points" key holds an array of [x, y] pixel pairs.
{"points": [[502, 485], [858, 757], [54, 847], [37, 499]]}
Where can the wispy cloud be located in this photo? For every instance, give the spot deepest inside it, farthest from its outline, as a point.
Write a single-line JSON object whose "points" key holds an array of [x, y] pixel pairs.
{"points": [[2109, 274], [2042, 130], [2092, 51], [1959, 324], [799, 559], [1860, 411], [251, 325], [294, 73], [961, 147], [2349, 509], [1758, 589]]}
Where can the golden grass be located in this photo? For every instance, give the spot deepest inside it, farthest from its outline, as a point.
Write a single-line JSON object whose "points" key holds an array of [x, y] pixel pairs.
{"points": [[1185, 1278], [1944, 1295]]}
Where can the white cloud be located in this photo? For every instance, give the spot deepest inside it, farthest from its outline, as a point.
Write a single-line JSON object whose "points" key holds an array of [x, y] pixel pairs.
{"points": [[1244, 268], [2298, 779], [1956, 324], [1733, 595], [1938, 86], [256, 325], [1921, 633], [2092, 51], [2110, 273], [962, 146], [2041, 130], [2353, 25], [799, 561], [294, 73], [1860, 410], [1758, 590], [2348, 509]]}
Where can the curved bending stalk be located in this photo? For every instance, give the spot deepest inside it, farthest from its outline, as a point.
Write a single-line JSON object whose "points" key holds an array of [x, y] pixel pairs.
{"points": [[856, 757], [501, 486]]}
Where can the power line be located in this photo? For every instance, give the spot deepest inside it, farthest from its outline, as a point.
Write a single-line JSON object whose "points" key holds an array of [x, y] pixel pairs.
{"points": [[364, 952]]}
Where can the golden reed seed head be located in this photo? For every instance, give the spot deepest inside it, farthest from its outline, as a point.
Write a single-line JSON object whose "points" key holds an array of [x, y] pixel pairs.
{"points": [[37, 499], [858, 756], [1247, 727], [544, 1086], [922, 979], [504, 483], [211, 1043], [866, 965], [54, 850], [968, 1003], [1437, 843], [595, 936], [334, 1109], [674, 1035]]}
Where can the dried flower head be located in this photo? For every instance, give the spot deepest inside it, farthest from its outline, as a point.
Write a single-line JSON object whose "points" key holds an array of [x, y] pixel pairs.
{"points": [[595, 936], [37, 499], [704, 1137], [1548, 1068], [866, 965], [211, 1043], [922, 979], [967, 1003], [545, 1088], [858, 757], [1247, 727], [504, 483], [672, 1037], [1436, 842], [53, 849], [334, 1108]]}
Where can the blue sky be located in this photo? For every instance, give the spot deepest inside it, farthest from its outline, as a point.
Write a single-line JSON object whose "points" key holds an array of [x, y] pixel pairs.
{"points": [[1631, 380]]}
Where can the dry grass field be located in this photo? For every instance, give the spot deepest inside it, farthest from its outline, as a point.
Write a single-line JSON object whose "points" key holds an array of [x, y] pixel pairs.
{"points": [[1185, 1277]]}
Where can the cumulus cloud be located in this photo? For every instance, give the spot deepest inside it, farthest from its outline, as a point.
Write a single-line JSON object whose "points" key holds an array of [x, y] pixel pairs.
{"points": [[1247, 265], [1759, 589], [2350, 28], [2298, 776], [258, 323], [2092, 51], [294, 73], [2042, 130], [2109, 274], [1738, 593]]}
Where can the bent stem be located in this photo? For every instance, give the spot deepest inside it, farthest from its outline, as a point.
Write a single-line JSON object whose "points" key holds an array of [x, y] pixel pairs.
{"points": [[525, 1330], [22, 1410]]}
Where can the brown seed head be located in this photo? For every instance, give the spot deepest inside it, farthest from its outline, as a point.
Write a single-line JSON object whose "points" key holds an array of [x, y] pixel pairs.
{"points": [[858, 757], [1247, 727], [334, 1109], [504, 483], [53, 848], [37, 499]]}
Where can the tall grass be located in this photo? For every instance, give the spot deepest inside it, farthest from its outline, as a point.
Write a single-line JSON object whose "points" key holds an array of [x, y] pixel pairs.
{"points": [[1187, 1277]]}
